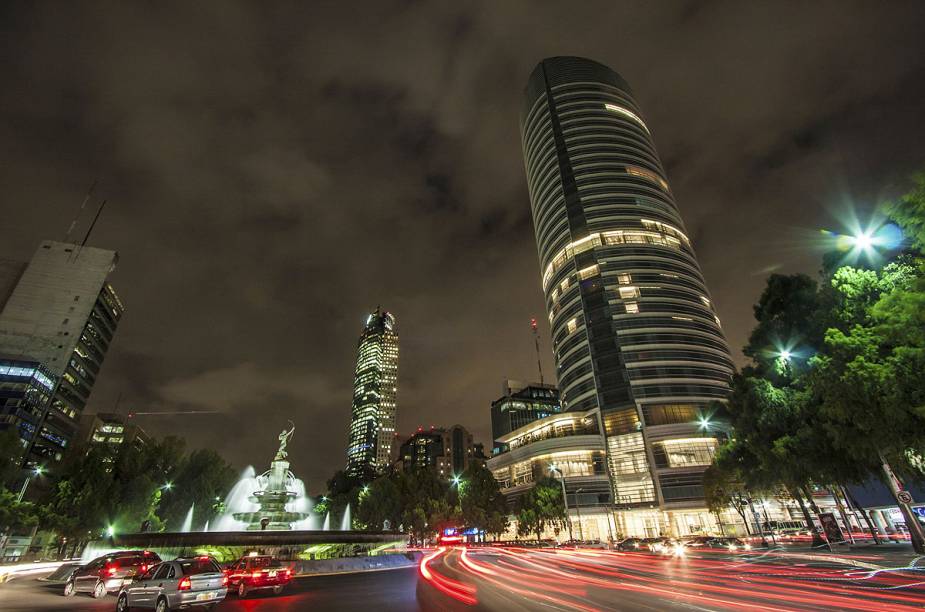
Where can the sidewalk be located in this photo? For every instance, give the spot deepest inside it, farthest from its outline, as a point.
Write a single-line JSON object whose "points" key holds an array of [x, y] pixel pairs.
{"points": [[869, 556]]}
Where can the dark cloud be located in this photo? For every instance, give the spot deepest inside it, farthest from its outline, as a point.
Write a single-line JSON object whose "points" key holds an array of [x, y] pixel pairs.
{"points": [[273, 172]]}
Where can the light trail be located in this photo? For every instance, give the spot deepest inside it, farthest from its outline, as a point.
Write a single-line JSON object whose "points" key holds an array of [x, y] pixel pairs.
{"points": [[579, 580]]}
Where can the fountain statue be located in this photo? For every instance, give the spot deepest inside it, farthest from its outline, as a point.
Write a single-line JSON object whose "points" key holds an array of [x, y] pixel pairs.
{"points": [[278, 488]]}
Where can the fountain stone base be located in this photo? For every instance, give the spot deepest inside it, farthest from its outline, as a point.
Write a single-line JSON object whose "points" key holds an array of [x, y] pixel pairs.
{"points": [[273, 515]]}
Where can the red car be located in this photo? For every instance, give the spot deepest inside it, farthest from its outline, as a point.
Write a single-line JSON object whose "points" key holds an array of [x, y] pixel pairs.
{"points": [[257, 572]]}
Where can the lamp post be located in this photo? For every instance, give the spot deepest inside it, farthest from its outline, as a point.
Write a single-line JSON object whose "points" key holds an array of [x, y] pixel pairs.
{"points": [[581, 535], [22, 492], [568, 520]]}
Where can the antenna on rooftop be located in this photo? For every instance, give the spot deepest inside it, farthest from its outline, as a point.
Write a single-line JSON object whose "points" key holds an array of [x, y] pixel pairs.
{"points": [[83, 205], [536, 339]]}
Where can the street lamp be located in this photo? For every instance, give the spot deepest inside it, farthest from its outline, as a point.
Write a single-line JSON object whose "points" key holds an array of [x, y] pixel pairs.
{"points": [[456, 480], [38, 471], [167, 486], [704, 423], [581, 535], [568, 521]]}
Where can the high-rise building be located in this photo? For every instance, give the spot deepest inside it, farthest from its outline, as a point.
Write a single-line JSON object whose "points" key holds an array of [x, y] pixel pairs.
{"points": [[110, 431], [375, 395], [634, 331], [521, 404], [60, 312], [447, 451]]}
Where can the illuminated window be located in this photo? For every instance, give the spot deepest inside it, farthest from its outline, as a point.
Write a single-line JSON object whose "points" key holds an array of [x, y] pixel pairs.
{"points": [[647, 174], [586, 273], [684, 453], [555, 293], [629, 292], [717, 320], [624, 278], [564, 285], [626, 113], [705, 300], [572, 325], [632, 307]]}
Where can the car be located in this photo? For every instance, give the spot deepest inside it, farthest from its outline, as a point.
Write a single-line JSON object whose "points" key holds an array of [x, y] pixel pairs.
{"points": [[629, 544], [258, 572], [182, 583], [107, 574]]}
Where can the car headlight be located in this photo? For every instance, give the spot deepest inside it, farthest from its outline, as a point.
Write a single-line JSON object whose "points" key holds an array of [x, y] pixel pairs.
{"points": [[747, 546], [733, 548]]}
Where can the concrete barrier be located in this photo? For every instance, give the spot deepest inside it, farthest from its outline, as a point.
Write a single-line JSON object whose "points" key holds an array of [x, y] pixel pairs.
{"points": [[356, 564]]}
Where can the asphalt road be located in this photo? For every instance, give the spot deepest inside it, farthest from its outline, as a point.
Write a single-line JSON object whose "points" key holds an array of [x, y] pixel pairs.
{"points": [[385, 591], [522, 580], [526, 580]]}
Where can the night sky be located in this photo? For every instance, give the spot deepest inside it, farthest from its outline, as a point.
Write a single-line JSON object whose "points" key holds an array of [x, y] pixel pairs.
{"points": [[272, 174]]}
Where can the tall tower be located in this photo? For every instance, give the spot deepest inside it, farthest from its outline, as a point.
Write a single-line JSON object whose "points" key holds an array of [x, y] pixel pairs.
{"points": [[62, 313], [375, 394], [634, 331]]}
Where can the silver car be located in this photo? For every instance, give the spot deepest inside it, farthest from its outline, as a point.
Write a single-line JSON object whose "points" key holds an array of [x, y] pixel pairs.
{"points": [[181, 583]]}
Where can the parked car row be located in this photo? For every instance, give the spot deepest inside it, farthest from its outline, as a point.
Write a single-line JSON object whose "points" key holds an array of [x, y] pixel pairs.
{"points": [[677, 547], [141, 579]]}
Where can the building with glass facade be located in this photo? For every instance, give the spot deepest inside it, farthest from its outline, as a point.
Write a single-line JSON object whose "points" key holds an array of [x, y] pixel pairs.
{"points": [[634, 330], [61, 312], [375, 395], [521, 404], [447, 451], [26, 388]]}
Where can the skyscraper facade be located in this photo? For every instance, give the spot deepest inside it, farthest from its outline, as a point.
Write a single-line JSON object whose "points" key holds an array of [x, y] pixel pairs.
{"points": [[61, 312], [375, 395], [521, 404], [634, 330]]}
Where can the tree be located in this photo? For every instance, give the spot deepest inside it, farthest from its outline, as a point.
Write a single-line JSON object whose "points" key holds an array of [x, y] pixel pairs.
{"points": [[11, 449], [542, 505], [201, 479], [379, 503], [481, 502]]}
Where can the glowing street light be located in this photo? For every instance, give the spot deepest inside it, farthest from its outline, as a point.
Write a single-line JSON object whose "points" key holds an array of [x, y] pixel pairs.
{"points": [[704, 423], [785, 355], [456, 479], [168, 486], [110, 531]]}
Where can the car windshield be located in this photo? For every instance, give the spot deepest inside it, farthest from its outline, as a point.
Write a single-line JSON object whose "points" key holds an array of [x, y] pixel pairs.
{"points": [[191, 567]]}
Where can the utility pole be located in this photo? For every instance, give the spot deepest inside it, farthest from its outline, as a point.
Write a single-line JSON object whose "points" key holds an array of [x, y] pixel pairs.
{"points": [[536, 340]]}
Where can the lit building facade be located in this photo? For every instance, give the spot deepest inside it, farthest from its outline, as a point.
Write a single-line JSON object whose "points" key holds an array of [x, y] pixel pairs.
{"points": [[446, 451], [26, 388], [634, 331], [60, 311], [110, 431], [375, 395], [566, 446], [521, 404]]}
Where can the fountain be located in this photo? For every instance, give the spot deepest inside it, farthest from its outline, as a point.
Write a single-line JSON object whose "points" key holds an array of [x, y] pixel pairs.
{"points": [[188, 521], [276, 490]]}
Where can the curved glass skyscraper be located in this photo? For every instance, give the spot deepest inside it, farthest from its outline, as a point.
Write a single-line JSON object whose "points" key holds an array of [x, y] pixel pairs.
{"points": [[375, 394], [634, 331]]}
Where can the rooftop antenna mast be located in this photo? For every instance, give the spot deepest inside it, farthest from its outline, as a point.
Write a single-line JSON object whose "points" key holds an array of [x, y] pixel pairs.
{"points": [[536, 340], [83, 205]]}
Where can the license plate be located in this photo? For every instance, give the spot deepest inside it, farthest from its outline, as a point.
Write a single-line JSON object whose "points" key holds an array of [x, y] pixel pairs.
{"points": [[205, 596], [273, 574]]}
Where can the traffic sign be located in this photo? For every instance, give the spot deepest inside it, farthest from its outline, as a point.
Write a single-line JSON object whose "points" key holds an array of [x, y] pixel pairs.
{"points": [[904, 497]]}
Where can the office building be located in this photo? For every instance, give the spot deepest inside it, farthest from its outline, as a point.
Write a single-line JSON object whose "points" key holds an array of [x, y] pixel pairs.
{"points": [[110, 431], [375, 395], [447, 451], [634, 330], [60, 312], [26, 388], [520, 404]]}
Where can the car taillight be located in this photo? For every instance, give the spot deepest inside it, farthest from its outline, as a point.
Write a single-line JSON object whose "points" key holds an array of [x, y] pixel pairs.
{"points": [[225, 580], [288, 572], [143, 568], [111, 570], [255, 574], [184, 584]]}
